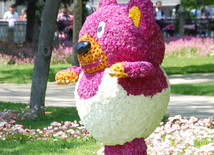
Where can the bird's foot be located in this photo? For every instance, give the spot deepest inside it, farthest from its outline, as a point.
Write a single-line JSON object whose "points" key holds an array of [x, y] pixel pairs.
{"points": [[135, 147]]}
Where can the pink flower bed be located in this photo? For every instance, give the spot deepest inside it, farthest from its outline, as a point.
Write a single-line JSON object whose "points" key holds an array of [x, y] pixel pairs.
{"points": [[62, 53], [189, 46], [181, 136], [177, 136], [12, 53], [56, 131]]}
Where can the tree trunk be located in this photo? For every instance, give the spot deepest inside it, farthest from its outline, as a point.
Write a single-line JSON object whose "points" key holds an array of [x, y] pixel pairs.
{"points": [[31, 19], [208, 20], [208, 26], [42, 62], [77, 25], [181, 22]]}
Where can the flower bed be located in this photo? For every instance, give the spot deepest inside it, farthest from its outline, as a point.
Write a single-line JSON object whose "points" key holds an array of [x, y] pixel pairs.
{"points": [[56, 131], [176, 136], [13, 53], [181, 136], [189, 47]]}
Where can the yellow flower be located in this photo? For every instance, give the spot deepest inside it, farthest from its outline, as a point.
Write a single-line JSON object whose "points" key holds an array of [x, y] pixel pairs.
{"points": [[135, 15], [118, 70]]}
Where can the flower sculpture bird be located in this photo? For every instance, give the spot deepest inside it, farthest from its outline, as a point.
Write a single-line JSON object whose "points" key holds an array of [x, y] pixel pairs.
{"points": [[122, 93]]}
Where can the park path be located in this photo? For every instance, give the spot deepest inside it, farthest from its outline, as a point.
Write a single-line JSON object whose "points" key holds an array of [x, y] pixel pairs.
{"points": [[63, 96]]}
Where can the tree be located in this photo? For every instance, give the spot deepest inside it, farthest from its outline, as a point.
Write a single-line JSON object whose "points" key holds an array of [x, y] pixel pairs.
{"points": [[77, 25], [31, 21], [42, 61], [46, 38]]}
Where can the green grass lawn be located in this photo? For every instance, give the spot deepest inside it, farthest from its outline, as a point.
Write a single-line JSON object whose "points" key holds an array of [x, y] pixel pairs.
{"points": [[50, 147], [188, 65], [23, 73], [206, 89]]}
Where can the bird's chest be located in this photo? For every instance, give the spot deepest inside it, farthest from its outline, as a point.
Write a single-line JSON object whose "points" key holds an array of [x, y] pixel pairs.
{"points": [[88, 84], [99, 85]]}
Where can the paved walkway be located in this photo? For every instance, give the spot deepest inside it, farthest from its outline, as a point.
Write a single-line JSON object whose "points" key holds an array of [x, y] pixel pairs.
{"points": [[63, 96], [192, 78]]}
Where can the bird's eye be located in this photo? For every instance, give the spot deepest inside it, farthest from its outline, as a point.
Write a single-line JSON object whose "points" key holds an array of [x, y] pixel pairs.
{"points": [[101, 28]]}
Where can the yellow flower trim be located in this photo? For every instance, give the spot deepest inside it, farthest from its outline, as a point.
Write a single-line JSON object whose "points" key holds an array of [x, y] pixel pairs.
{"points": [[66, 77], [93, 55], [135, 15], [118, 70]]}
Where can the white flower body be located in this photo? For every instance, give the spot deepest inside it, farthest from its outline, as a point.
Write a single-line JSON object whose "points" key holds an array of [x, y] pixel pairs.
{"points": [[113, 117]]}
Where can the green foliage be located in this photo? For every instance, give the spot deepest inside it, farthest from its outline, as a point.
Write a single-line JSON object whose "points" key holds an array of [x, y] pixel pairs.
{"points": [[195, 3], [190, 3], [40, 7], [201, 142]]}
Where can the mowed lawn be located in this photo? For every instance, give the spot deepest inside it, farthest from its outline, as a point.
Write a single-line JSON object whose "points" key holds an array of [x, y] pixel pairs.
{"points": [[23, 73], [188, 65], [204, 89]]}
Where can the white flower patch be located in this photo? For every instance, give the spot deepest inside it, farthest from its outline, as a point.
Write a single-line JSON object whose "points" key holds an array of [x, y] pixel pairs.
{"points": [[113, 117]]}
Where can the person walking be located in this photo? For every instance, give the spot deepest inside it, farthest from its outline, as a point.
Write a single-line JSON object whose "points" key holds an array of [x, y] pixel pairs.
{"points": [[159, 15]]}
